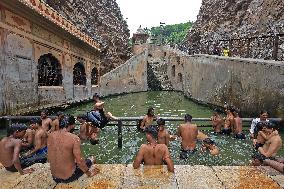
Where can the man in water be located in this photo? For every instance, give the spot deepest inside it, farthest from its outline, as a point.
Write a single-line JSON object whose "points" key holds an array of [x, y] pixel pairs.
{"points": [[163, 134], [188, 133], [46, 122], [217, 121], [276, 163], [64, 155], [238, 125], [148, 119], [28, 139], [10, 147], [273, 144], [55, 123], [153, 153], [262, 118], [229, 120], [84, 127], [39, 153]]}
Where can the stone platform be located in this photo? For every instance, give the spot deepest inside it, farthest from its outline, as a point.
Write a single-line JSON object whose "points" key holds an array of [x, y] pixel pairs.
{"points": [[125, 177]]}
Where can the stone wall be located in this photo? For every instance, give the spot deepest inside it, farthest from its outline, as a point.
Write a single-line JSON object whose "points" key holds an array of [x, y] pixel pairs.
{"points": [[250, 28], [249, 84], [127, 78], [24, 40], [102, 20]]}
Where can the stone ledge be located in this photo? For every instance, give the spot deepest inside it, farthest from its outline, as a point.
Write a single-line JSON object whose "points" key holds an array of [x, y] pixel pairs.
{"points": [[124, 176]]}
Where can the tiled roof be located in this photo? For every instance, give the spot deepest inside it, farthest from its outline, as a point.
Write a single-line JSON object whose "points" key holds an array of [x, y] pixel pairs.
{"points": [[46, 11]]}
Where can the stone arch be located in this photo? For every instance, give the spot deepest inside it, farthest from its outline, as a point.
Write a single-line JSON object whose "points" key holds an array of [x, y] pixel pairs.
{"points": [[49, 71], [79, 74], [95, 76]]}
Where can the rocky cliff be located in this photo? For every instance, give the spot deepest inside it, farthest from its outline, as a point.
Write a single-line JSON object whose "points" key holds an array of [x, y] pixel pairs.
{"points": [[249, 28], [102, 20]]}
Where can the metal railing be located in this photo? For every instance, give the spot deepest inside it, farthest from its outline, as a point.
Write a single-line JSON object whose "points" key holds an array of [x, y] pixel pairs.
{"points": [[119, 122]]}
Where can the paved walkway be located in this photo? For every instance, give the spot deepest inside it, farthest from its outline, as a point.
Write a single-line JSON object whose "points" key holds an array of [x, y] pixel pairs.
{"points": [[125, 177]]}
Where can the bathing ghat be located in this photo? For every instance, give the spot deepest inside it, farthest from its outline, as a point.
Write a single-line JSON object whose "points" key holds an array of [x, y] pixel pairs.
{"points": [[124, 176]]}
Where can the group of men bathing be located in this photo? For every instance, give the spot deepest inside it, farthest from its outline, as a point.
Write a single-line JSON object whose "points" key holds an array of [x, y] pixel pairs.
{"points": [[55, 140]]}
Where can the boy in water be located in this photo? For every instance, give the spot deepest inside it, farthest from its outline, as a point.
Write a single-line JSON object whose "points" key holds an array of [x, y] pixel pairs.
{"points": [[238, 125], [148, 119], [217, 121], [210, 145], [84, 127], [163, 134], [229, 120]]}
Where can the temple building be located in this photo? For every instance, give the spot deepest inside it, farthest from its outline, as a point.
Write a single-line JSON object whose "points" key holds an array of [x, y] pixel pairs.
{"points": [[44, 58]]}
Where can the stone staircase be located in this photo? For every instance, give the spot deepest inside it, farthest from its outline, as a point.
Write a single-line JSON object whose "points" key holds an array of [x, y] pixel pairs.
{"points": [[157, 72]]}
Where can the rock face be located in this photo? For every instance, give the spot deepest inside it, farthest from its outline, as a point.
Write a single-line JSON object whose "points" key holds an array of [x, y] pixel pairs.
{"points": [[102, 20], [250, 28]]}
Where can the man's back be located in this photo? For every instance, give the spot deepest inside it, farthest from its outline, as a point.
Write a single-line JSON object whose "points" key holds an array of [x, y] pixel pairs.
{"points": [[60, 153], [188, 133], [154, 154], [6, 151], [163, 137]]}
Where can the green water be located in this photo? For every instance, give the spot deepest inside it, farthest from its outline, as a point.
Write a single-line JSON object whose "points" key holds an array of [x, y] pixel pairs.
{"points": [[171, 104]]}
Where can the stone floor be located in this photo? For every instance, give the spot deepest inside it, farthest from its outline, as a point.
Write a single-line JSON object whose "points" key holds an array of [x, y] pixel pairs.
{"points": [[125, 177]]}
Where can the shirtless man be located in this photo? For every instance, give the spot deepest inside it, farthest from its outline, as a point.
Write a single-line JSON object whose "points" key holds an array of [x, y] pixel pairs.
{"points": [[64, 155], [238, 125], [217, 121], [262, 118], [148, 119], [39, 153], [153, 153], [229, 121], [10, 147], [84, 127], [163, 134], [28, 139], [46, 122], [188, 133], [55, 123], [273, 144], [210, 145]]}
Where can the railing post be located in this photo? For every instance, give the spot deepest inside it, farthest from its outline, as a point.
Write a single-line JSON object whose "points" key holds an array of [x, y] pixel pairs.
{"points": [[119, 134]]}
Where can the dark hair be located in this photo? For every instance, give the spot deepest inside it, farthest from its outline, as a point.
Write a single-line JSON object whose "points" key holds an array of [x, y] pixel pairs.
{"points": [[59, 113], [152, 130], [82, 116], [62, 123], [71, 120], [44, 111], [218, 110], [187, 117], [16, 127], [34, 120], [208, 141], [149, 110], [161, 121], [96, 95], [269, 125], [262, 112]]}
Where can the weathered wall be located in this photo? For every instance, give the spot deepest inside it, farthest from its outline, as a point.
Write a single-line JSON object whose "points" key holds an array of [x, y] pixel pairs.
{"points": [[102, 20], [249, 84], [23, 42], [127, 78]]}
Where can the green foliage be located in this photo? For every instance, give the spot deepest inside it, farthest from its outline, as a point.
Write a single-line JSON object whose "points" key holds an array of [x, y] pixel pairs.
{"points": [[170, 34]]}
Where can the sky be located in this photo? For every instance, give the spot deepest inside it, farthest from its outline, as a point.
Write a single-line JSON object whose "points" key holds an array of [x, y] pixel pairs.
{"points": [[148, 13]]}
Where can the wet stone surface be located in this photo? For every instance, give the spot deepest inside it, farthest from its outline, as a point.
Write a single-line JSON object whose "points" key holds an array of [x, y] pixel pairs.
{"points": [[124, 176]]}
